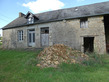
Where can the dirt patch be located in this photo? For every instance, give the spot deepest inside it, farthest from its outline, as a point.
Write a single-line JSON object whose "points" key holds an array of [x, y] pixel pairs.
{"points": [[54, 55]]}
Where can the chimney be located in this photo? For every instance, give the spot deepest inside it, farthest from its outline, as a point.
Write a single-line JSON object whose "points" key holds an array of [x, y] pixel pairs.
{"points": [[21, 14]]}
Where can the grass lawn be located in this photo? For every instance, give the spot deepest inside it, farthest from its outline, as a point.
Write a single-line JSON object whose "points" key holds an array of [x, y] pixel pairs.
{"points": [[20, 66], [0, 43]]}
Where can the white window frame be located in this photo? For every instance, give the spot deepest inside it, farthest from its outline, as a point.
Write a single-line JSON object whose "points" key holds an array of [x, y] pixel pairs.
{"points": [[30, 19], [20, 35], [84, 23]]}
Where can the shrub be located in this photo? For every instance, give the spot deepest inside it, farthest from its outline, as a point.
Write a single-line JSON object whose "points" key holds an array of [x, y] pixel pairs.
{"points": [[95, 59]]}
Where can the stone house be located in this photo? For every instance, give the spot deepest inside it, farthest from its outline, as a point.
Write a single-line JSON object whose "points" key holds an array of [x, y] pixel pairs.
{"points": [[85, 28]]}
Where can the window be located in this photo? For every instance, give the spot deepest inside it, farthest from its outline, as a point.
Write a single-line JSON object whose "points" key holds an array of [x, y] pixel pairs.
{"points": [[20, 35], [30, 20], [84, 23], [45, 30]]}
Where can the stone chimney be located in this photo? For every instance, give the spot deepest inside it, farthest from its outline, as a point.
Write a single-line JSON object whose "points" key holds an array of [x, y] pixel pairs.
{"points": [[21, 14]]}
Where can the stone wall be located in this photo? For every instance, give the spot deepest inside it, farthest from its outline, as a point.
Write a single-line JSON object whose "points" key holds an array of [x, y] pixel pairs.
{"points": [[66, 32]]}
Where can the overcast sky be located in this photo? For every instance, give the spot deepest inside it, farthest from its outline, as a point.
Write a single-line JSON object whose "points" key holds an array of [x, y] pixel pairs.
{"points": [[9, 9]]}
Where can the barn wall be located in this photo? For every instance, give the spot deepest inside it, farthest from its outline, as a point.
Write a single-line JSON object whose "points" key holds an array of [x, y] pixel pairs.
{"points": [[70, 33], [66, 32]]}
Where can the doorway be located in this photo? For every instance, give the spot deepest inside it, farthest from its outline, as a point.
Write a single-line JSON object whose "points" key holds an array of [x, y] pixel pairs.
{"points": [[88, 44], [31, 38], [106, 25], [45, 37]]}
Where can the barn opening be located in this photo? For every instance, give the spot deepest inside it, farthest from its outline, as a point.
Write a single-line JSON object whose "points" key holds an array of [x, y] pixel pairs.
{"points": [[88, 44], [45, 36], [106, 25]]}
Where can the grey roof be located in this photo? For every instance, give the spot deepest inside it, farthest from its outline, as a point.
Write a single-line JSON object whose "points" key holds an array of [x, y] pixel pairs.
{"points": [[69, 13]]}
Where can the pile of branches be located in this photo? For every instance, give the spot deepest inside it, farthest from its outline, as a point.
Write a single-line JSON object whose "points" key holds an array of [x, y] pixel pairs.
{"points": [[54, 55]]}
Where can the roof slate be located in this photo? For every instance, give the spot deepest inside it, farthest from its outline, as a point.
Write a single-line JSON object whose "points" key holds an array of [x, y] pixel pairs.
{"points": [[68, 13]]}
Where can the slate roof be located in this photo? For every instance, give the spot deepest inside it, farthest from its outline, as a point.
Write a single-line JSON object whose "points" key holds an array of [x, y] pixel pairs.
{"points": [[69, 13]]}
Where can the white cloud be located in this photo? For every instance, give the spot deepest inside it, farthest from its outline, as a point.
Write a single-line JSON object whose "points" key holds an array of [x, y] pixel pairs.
{"points": [[44, 5], [80, 0]]}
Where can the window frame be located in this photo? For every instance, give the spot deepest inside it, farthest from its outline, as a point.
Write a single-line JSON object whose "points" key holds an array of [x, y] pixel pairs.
{"points": [[30, 19], [84, 23], [45, 30], [20, 35]]}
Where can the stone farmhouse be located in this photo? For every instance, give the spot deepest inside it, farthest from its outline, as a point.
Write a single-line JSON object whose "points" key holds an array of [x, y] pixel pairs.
{"points": [[85, 28]]}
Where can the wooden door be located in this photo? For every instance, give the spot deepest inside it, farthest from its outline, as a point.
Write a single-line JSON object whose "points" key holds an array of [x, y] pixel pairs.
{"points": [[44, 37]]}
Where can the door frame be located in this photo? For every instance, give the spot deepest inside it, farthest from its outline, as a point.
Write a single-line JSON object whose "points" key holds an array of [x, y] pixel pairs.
{"points": [[44, 33], [28, 31], [91, 43]]}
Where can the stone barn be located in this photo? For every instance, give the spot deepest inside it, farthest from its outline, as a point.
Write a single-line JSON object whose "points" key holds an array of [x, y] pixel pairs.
{"points": [[85, 28]]}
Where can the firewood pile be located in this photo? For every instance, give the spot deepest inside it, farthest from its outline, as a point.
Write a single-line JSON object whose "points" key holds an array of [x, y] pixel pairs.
{"points": [[54, 55]]}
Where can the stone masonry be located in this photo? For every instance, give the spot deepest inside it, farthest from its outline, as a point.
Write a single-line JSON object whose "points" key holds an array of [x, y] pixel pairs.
{"points": [[67, 32]]}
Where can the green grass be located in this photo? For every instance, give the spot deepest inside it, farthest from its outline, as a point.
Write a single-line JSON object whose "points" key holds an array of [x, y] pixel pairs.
{"points": [[0, 43], [1, 38], [20, 66]]}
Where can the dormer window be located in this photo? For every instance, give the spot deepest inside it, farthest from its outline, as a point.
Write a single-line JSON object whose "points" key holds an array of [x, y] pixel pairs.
{"points": [[31, 18]]}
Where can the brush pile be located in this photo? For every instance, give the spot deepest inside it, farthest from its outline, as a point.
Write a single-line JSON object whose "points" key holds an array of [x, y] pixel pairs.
{"points": [[54, 55]]}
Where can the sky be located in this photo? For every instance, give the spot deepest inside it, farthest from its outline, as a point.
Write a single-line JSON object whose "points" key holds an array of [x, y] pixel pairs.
{"points": [[9, 9]]}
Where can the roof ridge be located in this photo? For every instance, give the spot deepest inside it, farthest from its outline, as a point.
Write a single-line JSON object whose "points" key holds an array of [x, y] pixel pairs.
{"points": [[71, 7], [95, 9]]}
